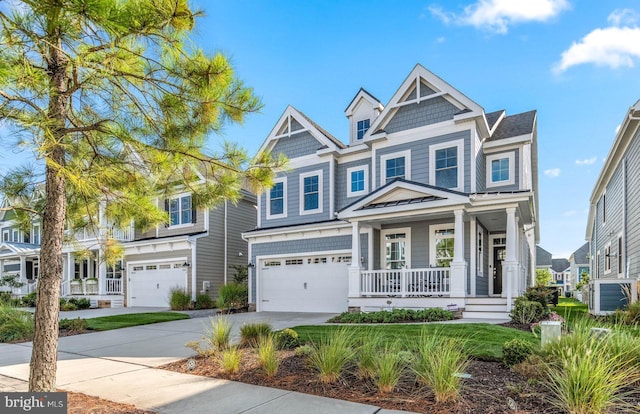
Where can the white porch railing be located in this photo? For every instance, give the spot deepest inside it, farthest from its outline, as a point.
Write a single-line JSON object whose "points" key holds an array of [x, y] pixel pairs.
{"points": [[114, 286], [110, 232], [405, 282]]}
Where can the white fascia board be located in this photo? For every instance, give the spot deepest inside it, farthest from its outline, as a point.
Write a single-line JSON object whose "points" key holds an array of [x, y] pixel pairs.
{"points": [[520, 139], [360, 156], [274, 130], [298, 232], [511, 147], [355, 102], [413, 210]]}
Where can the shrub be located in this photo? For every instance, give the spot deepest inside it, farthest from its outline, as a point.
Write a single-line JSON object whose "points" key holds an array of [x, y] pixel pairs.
{"points": [[388, 368], [541, 294], [437, 364], [331, 354], [250, 333], [81, 303], [516, 351], [29, 300], [526, 311], [267, 354], [179, 299], [73, 325], [632, 314], [233, 296], [15, 325], [6, 298], [303, 350], [204, 301], [218, 336], [534, 367], [199, 349], [230, 359], [67, 306], [395, 316], [287, 339]]}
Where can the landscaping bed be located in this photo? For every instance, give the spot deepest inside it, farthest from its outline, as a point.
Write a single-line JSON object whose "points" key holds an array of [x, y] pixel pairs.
{"points": [[85, 404], [487, 391]]}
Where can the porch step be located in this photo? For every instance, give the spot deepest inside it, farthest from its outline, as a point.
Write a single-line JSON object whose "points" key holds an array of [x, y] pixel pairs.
{"points": [[485, 315], [486, 301], [486, 308], [117, 303]]}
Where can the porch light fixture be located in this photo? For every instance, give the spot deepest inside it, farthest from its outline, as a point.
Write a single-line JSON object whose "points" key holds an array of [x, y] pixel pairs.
{"points": [[186, 264], [611, 255], [251, 265]]}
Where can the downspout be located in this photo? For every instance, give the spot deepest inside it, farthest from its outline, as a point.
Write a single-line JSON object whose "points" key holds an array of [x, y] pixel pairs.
{"points": [[225, 243]]}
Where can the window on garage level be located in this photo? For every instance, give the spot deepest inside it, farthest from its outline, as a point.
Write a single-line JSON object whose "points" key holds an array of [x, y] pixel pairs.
{"points": [[180, 210]]}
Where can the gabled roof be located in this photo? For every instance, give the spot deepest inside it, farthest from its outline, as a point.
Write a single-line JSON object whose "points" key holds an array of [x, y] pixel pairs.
{"points": [[401, 194], [325, 139], [493, 117], [362, 94], [420, 75], [18, 248], [581, 256], [559, 265], [543, 257], [514, 125]]}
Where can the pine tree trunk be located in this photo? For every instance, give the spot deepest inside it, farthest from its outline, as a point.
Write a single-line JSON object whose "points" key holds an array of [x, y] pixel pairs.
{"points": [[44, 354]]}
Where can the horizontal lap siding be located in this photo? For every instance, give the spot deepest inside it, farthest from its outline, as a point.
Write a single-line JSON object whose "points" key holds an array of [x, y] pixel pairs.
{"points": [[292, 201], [343, 182], [165, 231], [612, 296], [420, 157], [608, 232], [633, 208], [516, 169]]}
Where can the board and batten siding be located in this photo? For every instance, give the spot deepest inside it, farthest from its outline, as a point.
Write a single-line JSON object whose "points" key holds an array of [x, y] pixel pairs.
{"points": [[292, 201], [343, 182], [426, 112], [297, 145], [420, 157]]}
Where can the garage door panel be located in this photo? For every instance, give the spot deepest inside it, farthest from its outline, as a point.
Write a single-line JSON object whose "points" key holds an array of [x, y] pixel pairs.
{"points": [[151, 286], [306, 287]]}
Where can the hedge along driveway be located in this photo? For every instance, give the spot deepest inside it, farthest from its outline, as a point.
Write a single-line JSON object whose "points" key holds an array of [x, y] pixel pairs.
{"points": [[481, 340]]}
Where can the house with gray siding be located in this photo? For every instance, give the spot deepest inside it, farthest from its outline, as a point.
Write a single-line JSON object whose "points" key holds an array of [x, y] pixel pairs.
{"points": [[613, 227], [192, 251], [430, 202], [579, 266]]}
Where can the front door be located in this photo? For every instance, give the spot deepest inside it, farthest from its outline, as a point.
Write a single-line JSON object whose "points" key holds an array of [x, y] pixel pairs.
{"points": [[499, 253]]}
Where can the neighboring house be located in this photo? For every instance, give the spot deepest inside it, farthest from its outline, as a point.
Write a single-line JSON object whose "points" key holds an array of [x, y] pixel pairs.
{"points": [[543, 259], [432, 203], [579, 265], [613, 227], [193, 251], [561, 273]]}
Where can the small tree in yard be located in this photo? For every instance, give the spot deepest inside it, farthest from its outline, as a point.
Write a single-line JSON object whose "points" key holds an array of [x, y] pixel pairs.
{"points": [[118, 105], [11, 281], [543, 277]]}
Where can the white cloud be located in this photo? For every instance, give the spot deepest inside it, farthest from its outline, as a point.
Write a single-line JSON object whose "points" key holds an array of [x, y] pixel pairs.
{"points": [[569, 213], [615, 46], [498, 15], [587, 161], [552, 172], [441, 39]]}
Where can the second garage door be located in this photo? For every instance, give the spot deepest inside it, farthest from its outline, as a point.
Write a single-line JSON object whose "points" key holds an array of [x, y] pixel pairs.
{"points": [[151, 283], [305, 284]]}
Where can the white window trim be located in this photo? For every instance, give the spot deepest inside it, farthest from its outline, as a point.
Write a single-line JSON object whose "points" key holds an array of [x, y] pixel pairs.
{"points": [[511, 156], [597, 272], [619, 256], [318, 210], [15, 235], [179, 197], [8, 235], [355, 125], [607, 251], [459, 143], [383, 165], [432, 239], [480, 254], [364, 168], [35, 230], [604, 207], [270, 216], [407, 248]]}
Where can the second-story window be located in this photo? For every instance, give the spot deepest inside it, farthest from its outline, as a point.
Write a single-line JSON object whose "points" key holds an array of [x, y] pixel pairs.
{"points": [[357, 180], [500, 169], [277, 199], [362, 127], [16, 235], [180, 210], [311, 192], [5, 235], [395, 165], [36, 234], [447, 167], [395, 168]]}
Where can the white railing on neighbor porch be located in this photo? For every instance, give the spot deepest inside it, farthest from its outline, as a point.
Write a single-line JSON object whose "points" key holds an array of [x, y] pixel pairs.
{"points": [[110, 232], [114, 287], [405, 282]]}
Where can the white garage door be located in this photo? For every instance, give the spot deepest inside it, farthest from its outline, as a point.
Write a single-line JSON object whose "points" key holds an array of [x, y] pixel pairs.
{"points": [[150, 283], [305, 284]]}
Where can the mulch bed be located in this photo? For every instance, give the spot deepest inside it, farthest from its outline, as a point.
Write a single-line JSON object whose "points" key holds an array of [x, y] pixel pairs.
{"points": [[489, 389], [85, 404]]}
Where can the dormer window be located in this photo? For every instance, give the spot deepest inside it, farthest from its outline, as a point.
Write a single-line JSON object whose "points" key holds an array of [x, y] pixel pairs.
{"points": [[362, 128]]}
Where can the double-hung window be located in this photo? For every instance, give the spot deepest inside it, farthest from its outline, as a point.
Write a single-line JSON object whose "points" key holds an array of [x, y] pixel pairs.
{"points": [[607, 258], [180, 210], [396, 165], [357, 180], [446, 168], [500, 169], [362, 128], [276, 199], [442, 241], [311, 192]]}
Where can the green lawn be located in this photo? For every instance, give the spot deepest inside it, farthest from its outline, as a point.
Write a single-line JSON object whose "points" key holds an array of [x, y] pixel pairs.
{"points": [[483, 341], [571, 309], [106, 323]]}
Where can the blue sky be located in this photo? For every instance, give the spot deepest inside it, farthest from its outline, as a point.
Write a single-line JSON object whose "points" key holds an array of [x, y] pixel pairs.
{"points": [[573, 61]]}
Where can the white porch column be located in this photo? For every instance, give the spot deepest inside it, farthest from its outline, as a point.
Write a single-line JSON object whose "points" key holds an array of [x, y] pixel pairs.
{"points": [[102, 274], [23, 269], [354, 269], [1, 267], [510, 264], [458, 282]]}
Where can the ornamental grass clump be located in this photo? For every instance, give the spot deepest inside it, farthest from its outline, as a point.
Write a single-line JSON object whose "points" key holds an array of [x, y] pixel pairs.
{"points": [[218, 336], [367, 353], [250, 333], [388, 368], [439, 363], [230, 359], [267, 354], [15, 325], [331, 354]]}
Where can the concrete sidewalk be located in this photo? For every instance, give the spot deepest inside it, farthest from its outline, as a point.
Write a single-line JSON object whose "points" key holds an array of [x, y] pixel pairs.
{"points": [[121, 366]]}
